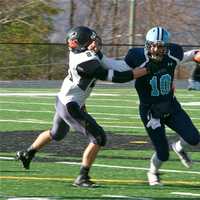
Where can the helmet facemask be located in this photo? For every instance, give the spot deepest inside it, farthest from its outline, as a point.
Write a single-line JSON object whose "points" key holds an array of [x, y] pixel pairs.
{"points": [[79, 38], [156, 50], [157, 43]]}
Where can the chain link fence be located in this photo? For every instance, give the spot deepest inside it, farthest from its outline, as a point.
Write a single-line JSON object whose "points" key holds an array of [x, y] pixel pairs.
{"points": [[46, 61]]}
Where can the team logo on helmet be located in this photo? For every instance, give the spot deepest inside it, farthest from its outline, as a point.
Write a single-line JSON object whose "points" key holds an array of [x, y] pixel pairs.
{"points": [[79, 38]]}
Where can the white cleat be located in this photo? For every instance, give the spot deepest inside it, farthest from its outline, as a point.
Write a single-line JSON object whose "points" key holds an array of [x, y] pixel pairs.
{"points": [[185, 160], [154, 179]]}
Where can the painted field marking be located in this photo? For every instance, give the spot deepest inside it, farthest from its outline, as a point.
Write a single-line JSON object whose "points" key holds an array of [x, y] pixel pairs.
{"points": [[190, 103], [27, 103], [27, 94], [88, 105], [28, 198], [138, 142], [125, 197], [92, 113], [36, 121], [118, 167], [29, 121], [49, 94], [186, 194], [6, 158], [28, 111], [105, 181], [126, 167]]}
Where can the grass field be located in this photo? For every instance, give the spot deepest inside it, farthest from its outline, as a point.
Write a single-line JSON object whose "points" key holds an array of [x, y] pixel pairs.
{"points": [[120, 172]]}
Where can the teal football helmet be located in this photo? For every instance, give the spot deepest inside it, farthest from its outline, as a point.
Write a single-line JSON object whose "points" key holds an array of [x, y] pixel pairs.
{"points": [[157, 43]]}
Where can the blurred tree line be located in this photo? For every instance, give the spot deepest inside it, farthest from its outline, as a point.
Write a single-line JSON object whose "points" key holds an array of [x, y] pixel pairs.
{"points": [[116, 21], [27, 21]]}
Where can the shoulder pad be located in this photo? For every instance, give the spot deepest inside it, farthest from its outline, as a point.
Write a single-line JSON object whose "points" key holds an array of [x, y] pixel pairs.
{"points": [[135, 57], [176, 51]]}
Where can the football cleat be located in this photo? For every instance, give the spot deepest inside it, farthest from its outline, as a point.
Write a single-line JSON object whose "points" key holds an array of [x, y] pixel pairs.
{"points": [[84, 181], [25, 158], [154, 179], [185, 160]]}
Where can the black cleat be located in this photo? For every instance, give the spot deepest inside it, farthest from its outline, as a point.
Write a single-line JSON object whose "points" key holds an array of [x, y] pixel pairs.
{"points": [[25, 158], [84, 181]]}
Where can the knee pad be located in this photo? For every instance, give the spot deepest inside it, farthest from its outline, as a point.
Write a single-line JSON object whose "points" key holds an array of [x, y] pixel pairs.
{"points": [[59, 129], [75, 111], [57, 136], [103, 139], [194, 141], [99, 138]]}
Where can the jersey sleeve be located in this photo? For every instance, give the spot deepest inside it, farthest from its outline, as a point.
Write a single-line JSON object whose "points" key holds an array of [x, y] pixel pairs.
{"points": [[94, 69]]}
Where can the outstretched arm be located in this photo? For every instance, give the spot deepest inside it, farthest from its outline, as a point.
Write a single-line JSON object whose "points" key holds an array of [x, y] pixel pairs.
{"points": [[190, 56], [94, 69]]}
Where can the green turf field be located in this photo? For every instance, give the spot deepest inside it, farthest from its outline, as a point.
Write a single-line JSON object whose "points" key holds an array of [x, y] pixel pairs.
{"points": [[120, 172]]}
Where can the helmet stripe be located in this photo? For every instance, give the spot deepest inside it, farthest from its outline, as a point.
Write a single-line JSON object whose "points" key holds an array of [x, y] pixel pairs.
{"points": [[158, 31], [162, 34]]}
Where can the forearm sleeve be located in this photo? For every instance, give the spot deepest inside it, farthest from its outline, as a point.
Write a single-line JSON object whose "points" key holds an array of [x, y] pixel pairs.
{"points": [[120, 77]]}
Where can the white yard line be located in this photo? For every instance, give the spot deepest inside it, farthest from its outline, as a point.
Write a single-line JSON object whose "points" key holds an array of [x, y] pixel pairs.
{"points": [[117, 166], [6, 158], [29, 198], [36, 121], [88, 105], [125, 197], [27, 94], [92, 113], [134, 168], [28, 111], [27, 121], [190, 103], [26, 103], [186, 194]]}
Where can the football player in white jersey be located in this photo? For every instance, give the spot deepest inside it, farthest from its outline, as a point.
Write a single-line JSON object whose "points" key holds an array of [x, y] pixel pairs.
{"points": [[85, 68]]}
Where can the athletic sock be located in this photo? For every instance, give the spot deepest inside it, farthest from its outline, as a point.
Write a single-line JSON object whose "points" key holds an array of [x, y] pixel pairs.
{"points": [[155, 164], [180, 144], [31, 151], [84, 170]]}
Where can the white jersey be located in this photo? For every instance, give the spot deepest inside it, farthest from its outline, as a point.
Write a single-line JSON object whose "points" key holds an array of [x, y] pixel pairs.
{"points": [[71, 90]]}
